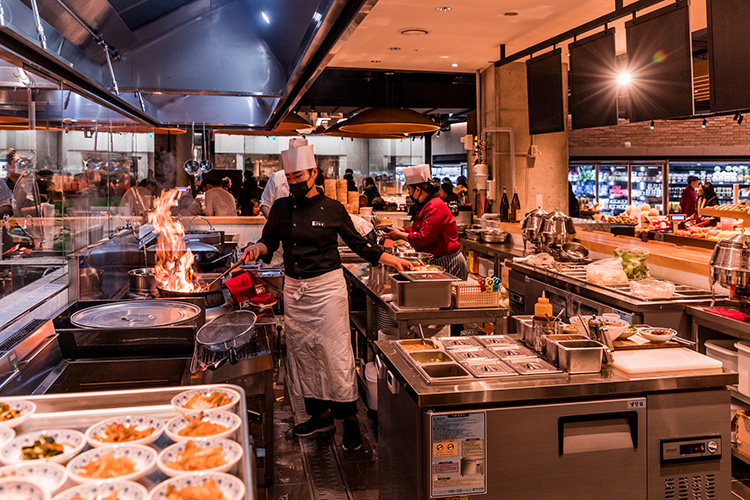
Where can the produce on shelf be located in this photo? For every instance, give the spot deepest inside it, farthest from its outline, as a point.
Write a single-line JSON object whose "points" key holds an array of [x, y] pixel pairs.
{"points": [[705, 233]]}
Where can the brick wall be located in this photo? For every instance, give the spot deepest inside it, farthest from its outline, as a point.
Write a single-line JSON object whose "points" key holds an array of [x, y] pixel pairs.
{"points": [[671, 138]]}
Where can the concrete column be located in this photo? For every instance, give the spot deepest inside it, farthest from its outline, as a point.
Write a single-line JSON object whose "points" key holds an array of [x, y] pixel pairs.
{"points": [[505, 104]]}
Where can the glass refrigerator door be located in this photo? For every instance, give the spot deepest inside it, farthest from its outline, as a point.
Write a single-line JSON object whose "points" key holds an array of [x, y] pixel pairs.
{"points": [[583, 179], [613, 188], [646, 186], [721, 174]]}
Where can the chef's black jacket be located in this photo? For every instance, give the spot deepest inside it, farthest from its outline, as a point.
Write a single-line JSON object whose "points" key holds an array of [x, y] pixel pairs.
{"points": [[309, 229]]}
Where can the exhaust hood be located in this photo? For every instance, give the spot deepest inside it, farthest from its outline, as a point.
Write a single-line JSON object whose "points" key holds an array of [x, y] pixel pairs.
{"points": [[231, 63]]}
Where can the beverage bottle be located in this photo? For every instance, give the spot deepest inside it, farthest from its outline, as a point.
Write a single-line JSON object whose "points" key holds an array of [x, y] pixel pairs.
{"points": [[515, 207], [504, 207]]}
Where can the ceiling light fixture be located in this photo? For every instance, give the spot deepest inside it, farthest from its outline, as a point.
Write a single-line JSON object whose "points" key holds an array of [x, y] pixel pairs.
{"points": [[394, 48], [292, 123], [389, 121], [444, 9], [703, 124], [265, 17], [510, 14], [454, 65], [652, 125], [375, 61], [413, 31], [739, 120], [335, 131], [624, 78]]}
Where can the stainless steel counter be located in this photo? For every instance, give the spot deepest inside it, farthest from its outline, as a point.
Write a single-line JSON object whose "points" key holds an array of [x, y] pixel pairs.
{"points": [[609, 382]]}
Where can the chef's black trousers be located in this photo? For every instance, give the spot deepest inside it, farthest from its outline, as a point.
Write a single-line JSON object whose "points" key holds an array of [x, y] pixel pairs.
{"points": [[339, 410]]}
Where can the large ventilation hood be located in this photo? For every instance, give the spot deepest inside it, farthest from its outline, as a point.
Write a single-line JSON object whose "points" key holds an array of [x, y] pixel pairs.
{"points": [[235, 63]]}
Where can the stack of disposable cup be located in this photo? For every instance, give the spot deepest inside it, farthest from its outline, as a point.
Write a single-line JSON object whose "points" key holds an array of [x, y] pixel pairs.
{"points": [[341, 190], [352, 198], [330, 188]]}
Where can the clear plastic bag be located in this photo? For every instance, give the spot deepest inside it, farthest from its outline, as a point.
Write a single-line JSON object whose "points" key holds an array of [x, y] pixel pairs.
{"points": [[606, 272], [652, 289], [634, 262]]}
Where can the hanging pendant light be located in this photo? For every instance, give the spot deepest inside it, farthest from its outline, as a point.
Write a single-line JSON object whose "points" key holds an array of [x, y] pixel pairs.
{"points": [[335, 131], [292, 123], [389, 121]]}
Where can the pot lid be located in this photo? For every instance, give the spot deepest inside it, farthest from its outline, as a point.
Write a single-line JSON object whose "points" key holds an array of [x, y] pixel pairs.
{"points": [[736, 240], [226, 328], [556, 215], [136, 314], [538, 212]]}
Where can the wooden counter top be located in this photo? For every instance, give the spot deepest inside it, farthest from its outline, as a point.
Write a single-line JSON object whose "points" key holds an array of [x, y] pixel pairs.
{"points": [[687, 259]]}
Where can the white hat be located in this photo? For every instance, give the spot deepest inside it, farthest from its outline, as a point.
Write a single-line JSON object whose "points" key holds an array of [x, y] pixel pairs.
{"points": [[298, 157], [417, 174]]}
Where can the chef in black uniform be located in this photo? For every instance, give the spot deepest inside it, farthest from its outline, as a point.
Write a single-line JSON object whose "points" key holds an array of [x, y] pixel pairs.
{"points": [[320, 361]]}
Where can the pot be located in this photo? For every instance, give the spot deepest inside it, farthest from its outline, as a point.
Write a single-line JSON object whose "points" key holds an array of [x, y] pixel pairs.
{"points": [[532, 225], [730, 262], [142, 281], [90, 283], [494, 236], [557, 229], [227, 333]]}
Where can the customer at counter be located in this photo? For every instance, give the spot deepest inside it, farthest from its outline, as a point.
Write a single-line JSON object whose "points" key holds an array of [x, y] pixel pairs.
{"points": [[218, 201], [707, 195], [433, 229], [320, 360], [689, 199]]}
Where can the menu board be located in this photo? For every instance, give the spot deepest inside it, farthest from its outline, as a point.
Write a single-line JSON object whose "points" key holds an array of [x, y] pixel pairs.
{"points": [[458, 454]]}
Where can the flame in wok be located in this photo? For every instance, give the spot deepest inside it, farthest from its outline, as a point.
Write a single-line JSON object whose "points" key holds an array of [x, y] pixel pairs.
{"points": [[174, 269]]}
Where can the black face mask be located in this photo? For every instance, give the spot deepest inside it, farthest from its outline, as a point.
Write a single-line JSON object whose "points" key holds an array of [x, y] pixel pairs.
{"points": [[414, 198], [299, 189]]}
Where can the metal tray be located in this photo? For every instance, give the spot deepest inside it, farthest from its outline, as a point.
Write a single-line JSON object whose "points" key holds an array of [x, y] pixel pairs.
{"points": [[136, 314], [532, 366], [490, 369], [469, 355], [491, 340], [459, 342], [512, 351], [80, 411]]}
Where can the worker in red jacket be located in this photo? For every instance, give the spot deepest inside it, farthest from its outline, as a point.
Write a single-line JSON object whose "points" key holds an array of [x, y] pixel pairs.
{"points": [[689, 199], [433, 229]]}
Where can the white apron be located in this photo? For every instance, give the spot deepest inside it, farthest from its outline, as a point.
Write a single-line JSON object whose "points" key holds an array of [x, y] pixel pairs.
{"points": [[320, 361]]}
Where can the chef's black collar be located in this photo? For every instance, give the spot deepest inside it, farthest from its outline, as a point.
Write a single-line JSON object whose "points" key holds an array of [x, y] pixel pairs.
{"points": [[307, 202]]}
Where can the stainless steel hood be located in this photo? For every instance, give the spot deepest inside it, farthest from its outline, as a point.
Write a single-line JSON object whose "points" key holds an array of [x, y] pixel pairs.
{"points": [[223, 62]]}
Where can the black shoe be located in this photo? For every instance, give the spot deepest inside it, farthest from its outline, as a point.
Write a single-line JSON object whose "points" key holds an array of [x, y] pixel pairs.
{"points": [[352, 437], [315, 425]]}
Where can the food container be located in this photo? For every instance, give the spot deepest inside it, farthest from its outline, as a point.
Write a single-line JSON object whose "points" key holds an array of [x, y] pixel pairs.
{"points": [[532, 225], [505, 352], [494, 236], [490, 368], [493, 340], [459, 343], [525, 328], [415, 345], [580, 356], [723, 350], [471, 355], [551, 346], [532, 366], [425, 357], [444, 373], [422, 289], [473, 234]]}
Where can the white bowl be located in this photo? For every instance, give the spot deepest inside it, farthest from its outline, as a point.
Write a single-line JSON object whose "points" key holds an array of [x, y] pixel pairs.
{"points": [[648, 334], [614, 331], [179, 400], [141, 422], [144, 458], [72, 441], [232, 453], [6, 434], [49, 475], [225, 418], [126, 490], [16, 488], [231, 487], [27, 410]]}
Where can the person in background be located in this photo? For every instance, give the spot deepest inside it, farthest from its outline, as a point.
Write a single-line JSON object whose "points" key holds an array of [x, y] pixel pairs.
{"points": [[707, 195], [462, 187], [689, 199], [276, 188], [248, 192], [446, 193], [218, 202], [139, 199], [226, 184], [262, 181], [12, 159], [320, 361], [349, 176], [370, 190], [6, 199], [574, 209], [255, 208]]}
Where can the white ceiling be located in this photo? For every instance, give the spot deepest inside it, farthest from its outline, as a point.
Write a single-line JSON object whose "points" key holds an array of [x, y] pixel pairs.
{"points": [[470, 34]]}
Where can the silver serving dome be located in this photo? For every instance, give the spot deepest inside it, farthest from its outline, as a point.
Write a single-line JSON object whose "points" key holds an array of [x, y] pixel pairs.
{"points": [[532, 225], [557, 228], [730, 262]]}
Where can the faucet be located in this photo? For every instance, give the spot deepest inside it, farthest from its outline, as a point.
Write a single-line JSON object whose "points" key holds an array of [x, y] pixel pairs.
{"points": [[201, 217]]}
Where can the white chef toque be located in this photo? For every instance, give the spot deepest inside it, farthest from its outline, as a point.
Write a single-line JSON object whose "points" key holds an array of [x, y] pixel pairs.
{"points": [[417, 174], [298, 157]]}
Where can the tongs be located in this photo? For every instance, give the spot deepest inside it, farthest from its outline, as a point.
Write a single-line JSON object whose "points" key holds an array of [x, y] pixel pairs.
{"points": [[233, 267]]}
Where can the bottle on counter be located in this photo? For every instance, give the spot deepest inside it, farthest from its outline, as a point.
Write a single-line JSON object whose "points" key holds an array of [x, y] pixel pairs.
{"points": [[515, 207], [542, 317], [504, 207]]}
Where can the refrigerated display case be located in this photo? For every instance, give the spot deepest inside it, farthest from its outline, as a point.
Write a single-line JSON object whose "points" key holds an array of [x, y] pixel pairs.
{"points": [[614, 195], [721, 174], [583, 179], [647, 185]]}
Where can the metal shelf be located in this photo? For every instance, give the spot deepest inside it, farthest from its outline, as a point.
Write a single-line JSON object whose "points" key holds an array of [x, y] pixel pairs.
{"points": [[736, 453], [736, 394]]}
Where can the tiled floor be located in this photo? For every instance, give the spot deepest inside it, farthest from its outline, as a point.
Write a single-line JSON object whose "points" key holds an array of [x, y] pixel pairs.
{"points": [[358, 469]]}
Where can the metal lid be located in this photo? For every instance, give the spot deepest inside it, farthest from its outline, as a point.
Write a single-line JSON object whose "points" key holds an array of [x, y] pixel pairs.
{"points": [[737, 240], [136, 314], [226, 328], [557, 215]]}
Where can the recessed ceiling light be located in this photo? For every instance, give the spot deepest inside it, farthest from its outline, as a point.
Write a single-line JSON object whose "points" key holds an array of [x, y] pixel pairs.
{"points": [[374, 60], [443, 9], [443, 57], [510, 14], [454, 65], [414, 31], [394, 48]]}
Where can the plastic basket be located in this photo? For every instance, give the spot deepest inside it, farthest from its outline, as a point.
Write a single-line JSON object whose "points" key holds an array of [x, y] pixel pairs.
{"points": [[471, 295]]}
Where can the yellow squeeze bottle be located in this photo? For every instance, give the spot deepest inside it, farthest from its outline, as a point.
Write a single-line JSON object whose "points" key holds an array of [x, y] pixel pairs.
{"points": [[542, 308]]}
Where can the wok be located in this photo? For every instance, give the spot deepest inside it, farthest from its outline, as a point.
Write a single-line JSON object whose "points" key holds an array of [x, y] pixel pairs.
{"points": [[213, 295], [207, 257]]}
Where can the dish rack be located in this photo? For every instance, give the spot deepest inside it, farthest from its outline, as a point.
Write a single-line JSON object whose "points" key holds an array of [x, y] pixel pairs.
{"points": [[469, 294]]}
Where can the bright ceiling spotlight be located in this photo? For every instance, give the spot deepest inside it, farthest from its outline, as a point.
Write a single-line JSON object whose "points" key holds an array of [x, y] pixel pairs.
{"points": [[703, 124], [624, 78], [651, 126]]}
